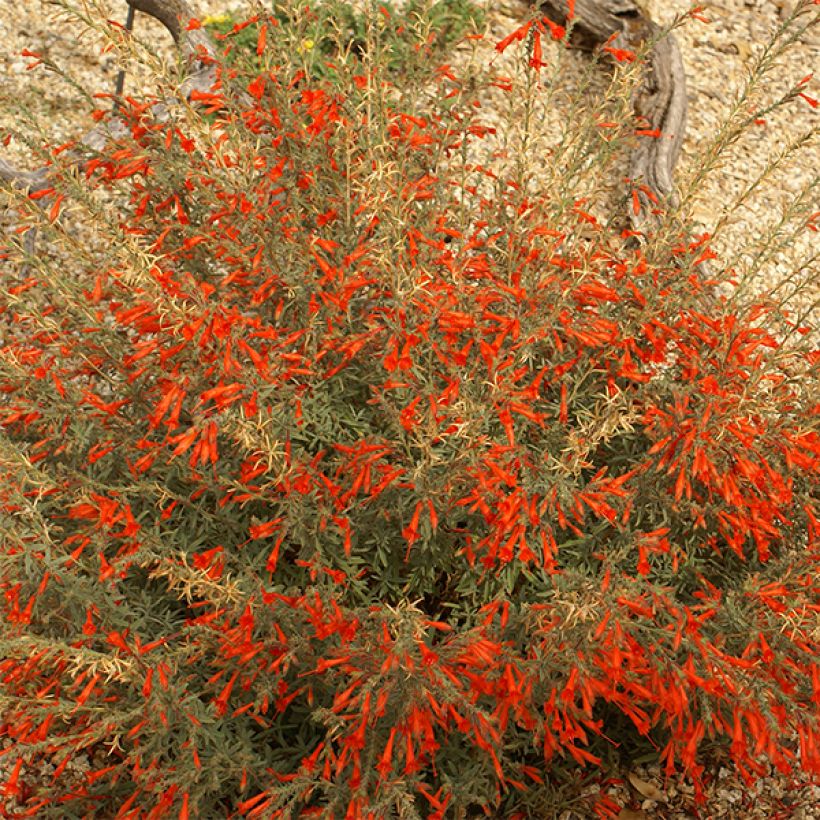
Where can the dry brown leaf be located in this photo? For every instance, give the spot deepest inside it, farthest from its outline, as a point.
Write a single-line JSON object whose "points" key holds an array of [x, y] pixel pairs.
{"points": [[647, 790], [743, 48], [629, 814]]}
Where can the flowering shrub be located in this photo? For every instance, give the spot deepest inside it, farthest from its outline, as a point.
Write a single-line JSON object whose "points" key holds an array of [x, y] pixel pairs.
{"points": [[343, 477]]}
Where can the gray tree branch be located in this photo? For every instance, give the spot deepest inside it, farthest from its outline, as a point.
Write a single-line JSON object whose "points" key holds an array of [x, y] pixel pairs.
{"points": [[660, 100]]}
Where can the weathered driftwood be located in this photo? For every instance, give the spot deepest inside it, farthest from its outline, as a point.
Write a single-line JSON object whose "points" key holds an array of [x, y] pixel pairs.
{"points": [[661, 97], [173, 14]]}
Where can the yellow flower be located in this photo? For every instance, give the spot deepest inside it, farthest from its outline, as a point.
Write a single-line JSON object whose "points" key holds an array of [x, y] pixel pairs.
{"points": [[216, 19], [307, 45]]}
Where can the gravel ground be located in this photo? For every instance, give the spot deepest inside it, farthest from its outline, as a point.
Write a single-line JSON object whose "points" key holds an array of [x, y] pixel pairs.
{"points": [[714, 55]]}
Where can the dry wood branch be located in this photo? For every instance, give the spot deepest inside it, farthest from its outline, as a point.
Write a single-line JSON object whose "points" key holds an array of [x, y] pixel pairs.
{"points": [[660, 100], [171, 13]]}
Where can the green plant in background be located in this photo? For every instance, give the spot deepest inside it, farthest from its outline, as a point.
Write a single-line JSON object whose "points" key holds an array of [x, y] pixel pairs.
{"points": [[325, 31]]}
